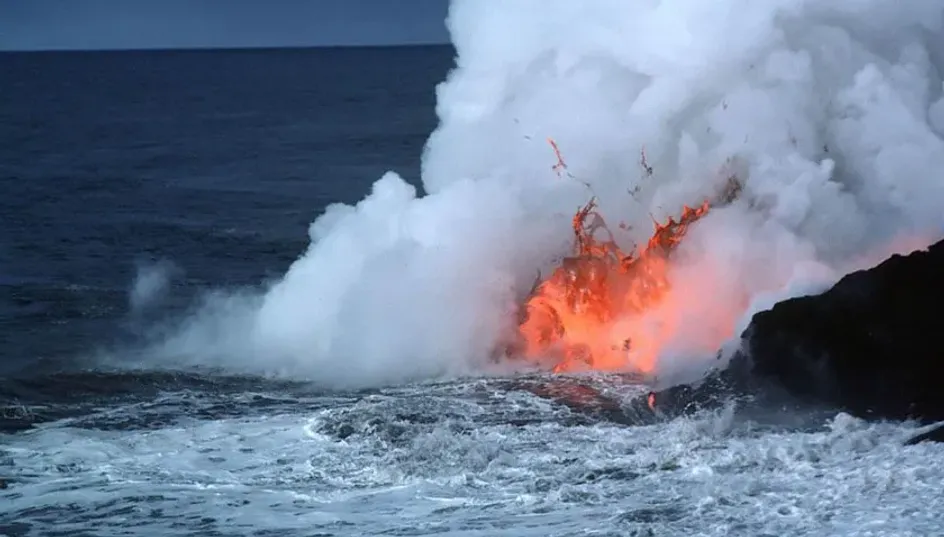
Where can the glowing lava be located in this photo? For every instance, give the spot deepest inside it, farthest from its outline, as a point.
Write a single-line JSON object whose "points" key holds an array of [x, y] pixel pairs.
{"points": [[591, 311]]}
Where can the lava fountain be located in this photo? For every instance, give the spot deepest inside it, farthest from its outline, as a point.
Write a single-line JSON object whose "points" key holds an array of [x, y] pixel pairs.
{"points": [[606, 309]]}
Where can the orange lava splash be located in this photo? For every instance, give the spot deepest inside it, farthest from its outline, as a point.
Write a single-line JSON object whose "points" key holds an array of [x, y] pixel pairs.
{"points": [[587, 314]]}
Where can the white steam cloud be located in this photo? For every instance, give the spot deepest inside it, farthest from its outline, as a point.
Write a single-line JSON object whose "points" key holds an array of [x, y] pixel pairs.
{"points": [[830, 113], [151, 283]]}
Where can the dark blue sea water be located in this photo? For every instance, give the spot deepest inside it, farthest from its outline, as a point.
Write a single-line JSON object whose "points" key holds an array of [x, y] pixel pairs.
{"points": [[212, 165], [214, 160]]}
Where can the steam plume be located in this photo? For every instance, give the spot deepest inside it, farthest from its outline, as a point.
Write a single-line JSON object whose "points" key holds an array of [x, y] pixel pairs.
{"points": [[830, 114]]}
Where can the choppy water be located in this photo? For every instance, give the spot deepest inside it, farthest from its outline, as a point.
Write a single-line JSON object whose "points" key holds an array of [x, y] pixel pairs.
{"points": [[217, 162], [242, 456]]}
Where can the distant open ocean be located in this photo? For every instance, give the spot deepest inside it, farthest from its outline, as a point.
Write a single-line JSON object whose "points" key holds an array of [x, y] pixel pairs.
{"points": [[217, 161], [132, 182]]}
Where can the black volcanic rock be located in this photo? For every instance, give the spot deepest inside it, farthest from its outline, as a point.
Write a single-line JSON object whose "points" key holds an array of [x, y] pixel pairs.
{"points": [[870, 345]]}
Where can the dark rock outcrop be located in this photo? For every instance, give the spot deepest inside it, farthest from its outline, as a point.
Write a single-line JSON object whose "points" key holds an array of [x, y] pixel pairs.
{"points": [[870, 345]]}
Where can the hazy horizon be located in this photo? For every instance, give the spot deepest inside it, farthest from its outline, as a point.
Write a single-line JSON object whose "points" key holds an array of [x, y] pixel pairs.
{"points": [[96, 25], [235, 48]]}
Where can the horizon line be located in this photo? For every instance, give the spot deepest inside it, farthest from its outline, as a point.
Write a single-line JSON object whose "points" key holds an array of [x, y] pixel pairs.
{"points": [[235, 48]]}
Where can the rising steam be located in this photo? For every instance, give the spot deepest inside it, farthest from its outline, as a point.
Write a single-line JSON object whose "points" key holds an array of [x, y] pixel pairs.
{"points": [[829, 113], [150, 285]]}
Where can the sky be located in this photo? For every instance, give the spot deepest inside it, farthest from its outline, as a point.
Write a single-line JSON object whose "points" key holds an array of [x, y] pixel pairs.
{"points": [[131, 24]]}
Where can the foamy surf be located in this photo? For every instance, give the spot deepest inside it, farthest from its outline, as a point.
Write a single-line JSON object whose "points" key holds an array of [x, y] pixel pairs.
{"points": [[463, 457]]}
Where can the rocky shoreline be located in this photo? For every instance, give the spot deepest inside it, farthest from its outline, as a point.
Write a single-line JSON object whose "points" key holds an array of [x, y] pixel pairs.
{"points": [[868, 346]]}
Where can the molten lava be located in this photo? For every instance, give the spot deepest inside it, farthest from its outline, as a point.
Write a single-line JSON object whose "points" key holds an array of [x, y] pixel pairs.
{"points": [[591, 311]]}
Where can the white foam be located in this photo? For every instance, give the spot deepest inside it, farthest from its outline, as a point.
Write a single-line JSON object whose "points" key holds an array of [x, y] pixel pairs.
{"points": [[472, 470]]}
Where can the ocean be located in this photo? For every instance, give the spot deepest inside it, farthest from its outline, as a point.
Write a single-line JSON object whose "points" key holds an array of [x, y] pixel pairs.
{"points": [[134, 183]]}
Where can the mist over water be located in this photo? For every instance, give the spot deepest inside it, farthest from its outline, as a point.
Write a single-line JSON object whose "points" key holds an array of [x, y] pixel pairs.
{"points": [[830, 115]]}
